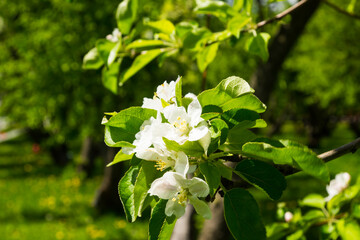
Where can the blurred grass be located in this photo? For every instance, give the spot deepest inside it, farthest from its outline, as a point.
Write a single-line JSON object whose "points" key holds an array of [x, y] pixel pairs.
{"points": [[40, 201]]}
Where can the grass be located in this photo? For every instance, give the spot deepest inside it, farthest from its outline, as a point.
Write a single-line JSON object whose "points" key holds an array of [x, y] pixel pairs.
{"points": [[40, 201]]}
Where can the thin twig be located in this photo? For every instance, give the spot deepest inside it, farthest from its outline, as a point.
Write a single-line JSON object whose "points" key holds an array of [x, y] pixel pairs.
{"points": [[281, 15], [340, 10]]}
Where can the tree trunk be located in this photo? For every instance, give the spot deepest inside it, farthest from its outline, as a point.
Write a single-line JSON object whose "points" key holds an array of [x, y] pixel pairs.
{"points": [[107, 197], [89, 151], [263, 81]]}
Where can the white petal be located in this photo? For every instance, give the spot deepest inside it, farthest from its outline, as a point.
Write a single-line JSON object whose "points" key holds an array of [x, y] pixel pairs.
{"points": [[198, 187], [198, 133], [173, 207], [152, 104], [149, 154], [194, 111], [172, 113], [165, 187], [205, 141], [181, 163], [201, 207]]}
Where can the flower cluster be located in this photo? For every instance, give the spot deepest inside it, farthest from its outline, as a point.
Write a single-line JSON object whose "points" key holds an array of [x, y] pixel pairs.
{"points": [[179, 124]]}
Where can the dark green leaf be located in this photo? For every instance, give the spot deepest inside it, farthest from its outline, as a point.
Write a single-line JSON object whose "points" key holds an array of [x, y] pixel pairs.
{"points": [[236, 139], [242, 215], [262, 176], [244, 118], [225, 171], [160, 226], [212, 176], [219, 131]]}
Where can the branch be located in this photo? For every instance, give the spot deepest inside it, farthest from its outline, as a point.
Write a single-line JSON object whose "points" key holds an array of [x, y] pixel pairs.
{"points": [[340, 10], [281, 15]]}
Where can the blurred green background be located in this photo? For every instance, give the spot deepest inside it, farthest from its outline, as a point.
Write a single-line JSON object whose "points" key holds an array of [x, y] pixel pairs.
{"points": [[52, 157]]}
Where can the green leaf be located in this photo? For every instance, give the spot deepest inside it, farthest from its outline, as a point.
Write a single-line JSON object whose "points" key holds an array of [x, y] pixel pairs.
{"points": [[163, 26], [343, 197], [217, 8], [210, 115], [226, 91], [178, 92], [348, 229], [313, 200], [143, 43], [160, 226], [263, 176], [113, 53], [298, 156], [212, 176], [313, 215], [196, 39], [111, 138], [120, 157], [125, 124], [225, 171], [188, 147], [243, 118], [92, 60], [247, 101], [206, 56], [242, 215], [104, 48], [237, 23], [126, 15], [126, 192], [133, 188], [258, 45], [110, 77], [140, 62], [237, 137], [219, 131]]}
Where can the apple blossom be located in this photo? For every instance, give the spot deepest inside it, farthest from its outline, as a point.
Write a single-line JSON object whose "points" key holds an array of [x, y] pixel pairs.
{"points": [[179, 190], [337, 185], [165, 92], [114, 36], [189, 126]]}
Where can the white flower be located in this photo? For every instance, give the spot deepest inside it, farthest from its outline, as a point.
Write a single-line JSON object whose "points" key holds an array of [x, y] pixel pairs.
{"points": [[165, 159], [166, 92], [189, 126], [179, 190], [337, 185], [151, 133], [115, 36], [288, 216]]}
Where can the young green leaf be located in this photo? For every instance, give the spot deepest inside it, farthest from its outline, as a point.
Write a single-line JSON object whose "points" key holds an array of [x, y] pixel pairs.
{"points": [[163, 26], [262, 176], [313, 200], [140, 62], [237, 137], [219, 131], [144, 43], [92, 60], [206, 56], [120, 157], [219, 9], [112, 140], [126, 14], [258, 45], [247, 101], [125, 124], [160, 226], [178, 92], [190, 148], [242, 215], [113, 53], [226, 91], [237, 23], [212, 176], [104, 48], [110, 77]]}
